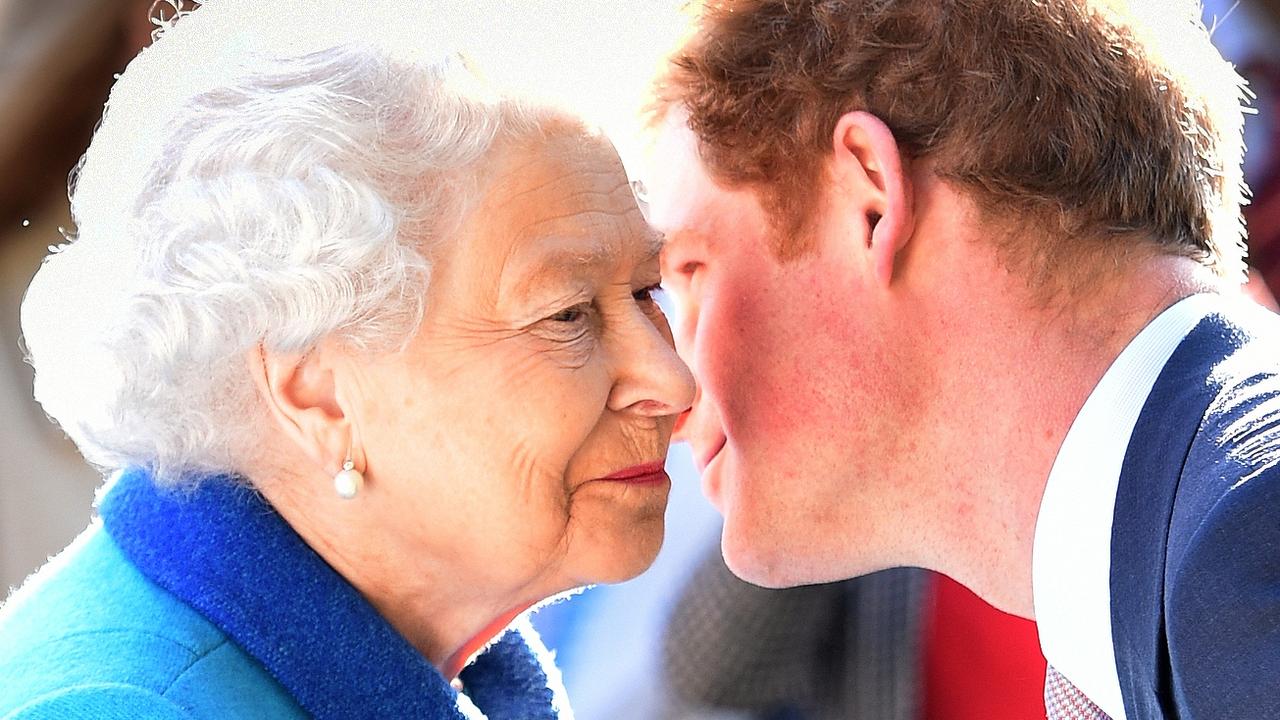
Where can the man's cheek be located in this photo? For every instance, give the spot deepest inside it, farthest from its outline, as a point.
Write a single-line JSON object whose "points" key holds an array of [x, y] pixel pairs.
{"points": [[724, 359], [682, 315]]}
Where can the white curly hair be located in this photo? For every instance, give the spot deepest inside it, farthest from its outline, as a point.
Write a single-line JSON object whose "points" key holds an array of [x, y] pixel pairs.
{"points": [[275, 180]]}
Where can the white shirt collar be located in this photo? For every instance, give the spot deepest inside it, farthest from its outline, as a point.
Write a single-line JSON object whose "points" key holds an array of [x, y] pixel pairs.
{"points": [[1071, 555]]}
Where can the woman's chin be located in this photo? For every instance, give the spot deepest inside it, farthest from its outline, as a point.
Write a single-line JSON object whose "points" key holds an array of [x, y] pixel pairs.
{"points": [[627, 555]]}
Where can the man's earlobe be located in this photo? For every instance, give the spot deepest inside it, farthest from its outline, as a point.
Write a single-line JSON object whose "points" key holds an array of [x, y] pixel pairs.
{"points": [[873, 171]]}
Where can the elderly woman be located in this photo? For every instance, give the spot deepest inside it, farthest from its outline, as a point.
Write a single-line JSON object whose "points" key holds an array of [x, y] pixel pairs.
{"points": [[373, 358]]}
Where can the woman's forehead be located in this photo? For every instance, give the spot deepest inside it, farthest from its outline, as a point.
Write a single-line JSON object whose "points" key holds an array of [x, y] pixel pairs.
{"points": [[555, 207], [552, 169]]}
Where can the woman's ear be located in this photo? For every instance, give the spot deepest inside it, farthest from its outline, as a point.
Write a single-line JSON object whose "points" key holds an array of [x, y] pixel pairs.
{"points": [[300, 392], [869, 168]]}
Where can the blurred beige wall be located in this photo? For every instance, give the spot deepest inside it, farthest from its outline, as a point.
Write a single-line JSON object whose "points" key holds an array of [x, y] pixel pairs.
{"points": [[57, 58], [45, 488]]}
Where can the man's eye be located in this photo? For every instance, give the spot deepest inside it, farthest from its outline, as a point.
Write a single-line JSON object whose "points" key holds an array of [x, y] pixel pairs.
{"points": [[689, 269]]}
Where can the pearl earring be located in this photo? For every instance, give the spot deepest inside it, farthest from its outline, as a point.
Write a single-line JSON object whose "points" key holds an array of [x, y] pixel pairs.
{"points": [[348, 482]]}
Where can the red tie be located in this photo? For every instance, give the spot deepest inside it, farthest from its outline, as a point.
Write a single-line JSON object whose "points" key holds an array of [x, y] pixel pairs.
{"points": [[1064, 701]]}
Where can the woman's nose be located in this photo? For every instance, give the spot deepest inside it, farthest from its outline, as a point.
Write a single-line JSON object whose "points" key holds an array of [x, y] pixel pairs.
{"points": [[651, 379]]}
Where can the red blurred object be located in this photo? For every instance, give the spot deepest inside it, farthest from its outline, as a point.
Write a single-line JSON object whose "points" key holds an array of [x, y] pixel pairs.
{"points": [[979, 663], [1263, 213], [1261, 293]]}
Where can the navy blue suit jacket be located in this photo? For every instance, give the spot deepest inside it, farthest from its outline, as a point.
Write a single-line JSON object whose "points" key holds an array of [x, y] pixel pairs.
{"points": [[1195, 574]]}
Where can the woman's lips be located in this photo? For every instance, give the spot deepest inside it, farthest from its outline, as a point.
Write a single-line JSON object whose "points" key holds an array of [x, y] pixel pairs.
{"points": [[639, 474]]}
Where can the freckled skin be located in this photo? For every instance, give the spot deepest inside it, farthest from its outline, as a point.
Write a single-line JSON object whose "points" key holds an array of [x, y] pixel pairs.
{"points": [[897, 394], [483, 437], [794, 380]]}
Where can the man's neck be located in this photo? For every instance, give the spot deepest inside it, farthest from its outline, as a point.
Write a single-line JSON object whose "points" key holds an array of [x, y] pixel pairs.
{"points": [[1017, 372]]}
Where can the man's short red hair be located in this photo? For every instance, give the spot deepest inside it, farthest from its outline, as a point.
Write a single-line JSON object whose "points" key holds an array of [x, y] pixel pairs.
{"points": [[1073, 114]]}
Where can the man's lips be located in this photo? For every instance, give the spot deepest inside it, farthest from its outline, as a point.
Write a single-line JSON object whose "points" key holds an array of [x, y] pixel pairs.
{"points": [[651, 472], [713, 449], [681, 419]]}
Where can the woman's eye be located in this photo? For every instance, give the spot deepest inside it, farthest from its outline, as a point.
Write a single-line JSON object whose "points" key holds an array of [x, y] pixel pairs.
{"points": [[648, 295], [574, 314]]}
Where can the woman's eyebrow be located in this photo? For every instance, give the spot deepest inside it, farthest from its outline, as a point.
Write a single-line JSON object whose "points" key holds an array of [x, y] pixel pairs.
{"points": [[562, 261], [567, 260], [654, 241]]}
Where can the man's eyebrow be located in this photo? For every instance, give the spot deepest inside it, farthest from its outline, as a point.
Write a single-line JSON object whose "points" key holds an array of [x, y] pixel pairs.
{"points": [[678, 237]]}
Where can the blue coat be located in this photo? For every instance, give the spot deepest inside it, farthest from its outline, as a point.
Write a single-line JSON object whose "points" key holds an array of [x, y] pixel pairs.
{"points": [[206, 604], [1195, 571]]}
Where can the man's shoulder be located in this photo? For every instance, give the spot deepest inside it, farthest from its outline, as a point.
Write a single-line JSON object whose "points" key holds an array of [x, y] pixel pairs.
{"points": [[1222, 593], [89, 631], [1211, 420], [1195, 614], [1236, 448], [1222, 561], [1252, 366]]}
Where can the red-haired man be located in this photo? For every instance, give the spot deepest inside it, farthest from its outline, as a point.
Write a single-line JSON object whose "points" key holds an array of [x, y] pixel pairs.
{"points": [[959, 280]]}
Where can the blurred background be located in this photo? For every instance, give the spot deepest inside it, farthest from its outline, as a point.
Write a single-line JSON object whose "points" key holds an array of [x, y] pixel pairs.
{"points": [[57, 62]]}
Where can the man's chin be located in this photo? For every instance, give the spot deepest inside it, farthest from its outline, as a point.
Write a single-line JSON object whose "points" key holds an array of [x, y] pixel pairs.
{"points": [[712, 477], [766, 552], [755, 558]]}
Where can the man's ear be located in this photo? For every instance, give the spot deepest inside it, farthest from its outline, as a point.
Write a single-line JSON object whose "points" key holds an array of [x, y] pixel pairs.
{"points": [[300, 392], [869, 168]]}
